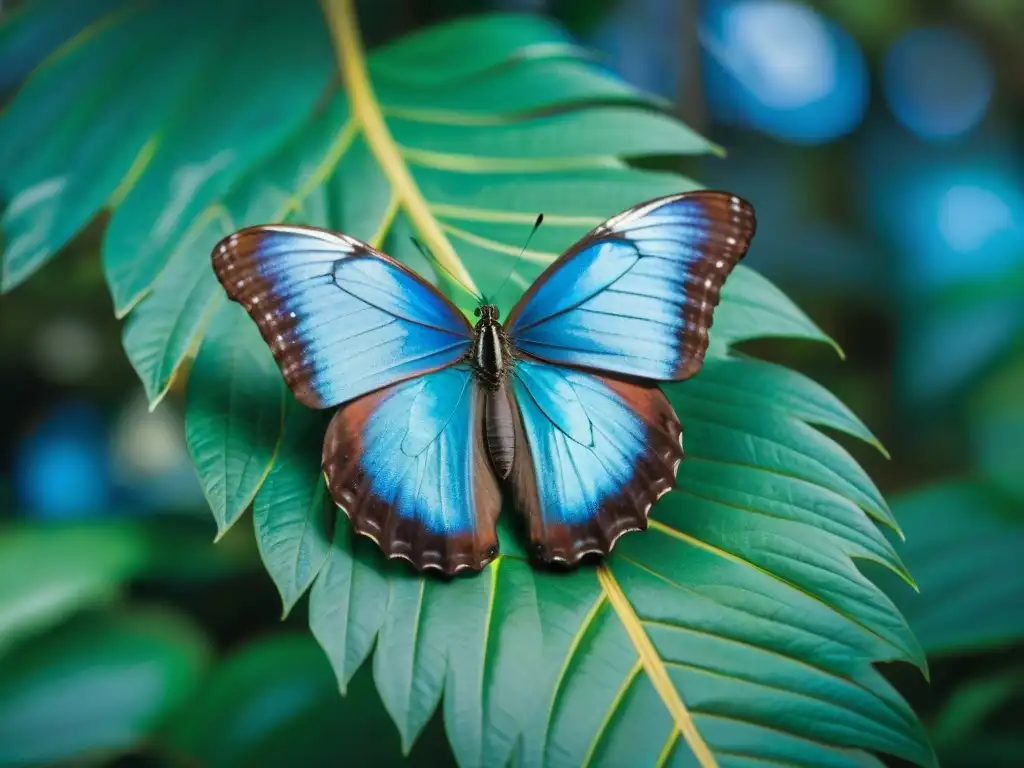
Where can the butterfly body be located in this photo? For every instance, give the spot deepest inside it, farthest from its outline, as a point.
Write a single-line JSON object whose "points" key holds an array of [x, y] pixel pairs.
{"points": [[557, 407]]}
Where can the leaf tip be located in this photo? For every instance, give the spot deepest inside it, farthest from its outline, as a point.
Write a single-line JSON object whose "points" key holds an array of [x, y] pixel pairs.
{"points": [[8, 280], [839, 350], [124, 305], [286, 607], [407, 745], [12, 276]]}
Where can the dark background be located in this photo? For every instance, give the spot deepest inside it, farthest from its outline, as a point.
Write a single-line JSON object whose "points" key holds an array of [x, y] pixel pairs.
{"points": [[879, 141]]}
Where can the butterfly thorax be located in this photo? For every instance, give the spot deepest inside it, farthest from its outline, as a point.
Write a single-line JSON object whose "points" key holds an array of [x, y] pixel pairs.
{"points": [[491, 353]]}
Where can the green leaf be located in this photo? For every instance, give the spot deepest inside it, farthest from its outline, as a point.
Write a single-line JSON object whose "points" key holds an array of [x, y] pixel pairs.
{"points": [[47, 572], [753, 308], [217, 132], [963, 547], [234, 413], [348, 603], [509, 91], [291, 510], [273, 703], [96, 686], [739, 629], [962, 718], [996, 427], [746, 382], [498, 40], [99, 108], [35, 30]]}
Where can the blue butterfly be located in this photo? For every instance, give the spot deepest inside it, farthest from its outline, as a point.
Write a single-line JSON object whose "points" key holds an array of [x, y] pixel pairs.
{"points": [[559, 404]]}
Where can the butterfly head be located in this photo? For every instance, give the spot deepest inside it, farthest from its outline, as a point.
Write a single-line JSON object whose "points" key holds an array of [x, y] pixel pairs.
{"points": [[488, 313]]}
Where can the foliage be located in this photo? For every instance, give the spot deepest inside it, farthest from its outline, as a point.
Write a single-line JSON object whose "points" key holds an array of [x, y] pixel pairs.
{"points": [[273, 702], [48, 572], [963, 543], [964, 540], [118, 673], [106, 679], [738, 629]]}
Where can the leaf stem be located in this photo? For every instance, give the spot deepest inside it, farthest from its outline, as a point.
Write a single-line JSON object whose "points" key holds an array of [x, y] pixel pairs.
{"points": [[655, 668], [344, 27]]}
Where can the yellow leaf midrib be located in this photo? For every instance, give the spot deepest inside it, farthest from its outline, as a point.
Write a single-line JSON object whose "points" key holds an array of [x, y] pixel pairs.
{"points": [[655, 667], [366, 111]]}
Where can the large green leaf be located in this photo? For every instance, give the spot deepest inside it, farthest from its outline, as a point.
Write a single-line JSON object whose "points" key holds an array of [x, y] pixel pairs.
{"points": [[51, 570], [737, 631], [47, 572], [969, 730], [964, 545], [996, 426], [273, 702], [99, 684]]}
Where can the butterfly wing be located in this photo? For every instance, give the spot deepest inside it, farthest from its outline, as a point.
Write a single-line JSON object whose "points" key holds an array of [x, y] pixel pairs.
{"points": [[341, 318], [408, 465], [601, 451], [636, 295]]}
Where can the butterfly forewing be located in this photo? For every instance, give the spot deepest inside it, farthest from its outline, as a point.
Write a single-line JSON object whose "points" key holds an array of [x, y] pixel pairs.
{"points": [[636, 295], [341, 318]]}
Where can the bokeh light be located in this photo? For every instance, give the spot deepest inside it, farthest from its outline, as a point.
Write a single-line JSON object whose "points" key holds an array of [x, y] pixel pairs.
{"points": [[639, 53], [67, 350], [970, 216], [61, 468], [151, 461], [781, 68], [938, 83], [968, 226], [953, 213]]}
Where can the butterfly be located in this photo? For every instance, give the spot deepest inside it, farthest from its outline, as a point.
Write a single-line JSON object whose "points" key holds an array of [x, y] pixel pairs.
{"points": [[557, 406]]}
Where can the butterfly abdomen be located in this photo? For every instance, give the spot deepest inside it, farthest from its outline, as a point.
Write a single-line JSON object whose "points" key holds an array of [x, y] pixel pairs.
{"points": [[499, 432]]}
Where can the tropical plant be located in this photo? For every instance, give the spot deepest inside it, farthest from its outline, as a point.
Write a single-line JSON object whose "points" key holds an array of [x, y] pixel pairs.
{"points": [[964, 543], [737, 631]]}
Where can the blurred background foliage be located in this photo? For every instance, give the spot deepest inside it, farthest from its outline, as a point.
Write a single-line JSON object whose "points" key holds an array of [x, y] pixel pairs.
{"points": [[879, 140]]}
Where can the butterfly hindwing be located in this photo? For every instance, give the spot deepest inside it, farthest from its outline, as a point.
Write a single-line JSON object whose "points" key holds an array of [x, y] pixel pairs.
{"points": [[593, 453], [341, 318], [408, 465], [636, 295]]}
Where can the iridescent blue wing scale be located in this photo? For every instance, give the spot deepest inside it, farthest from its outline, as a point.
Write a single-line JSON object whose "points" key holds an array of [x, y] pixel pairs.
{"points": [[601, 451], [408, 465], [636, 295], [630, 304], [341, 318]]}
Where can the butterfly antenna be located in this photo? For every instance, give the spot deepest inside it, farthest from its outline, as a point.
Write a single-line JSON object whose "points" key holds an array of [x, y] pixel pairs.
{"points": [[433, 260], [536, 226]]}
